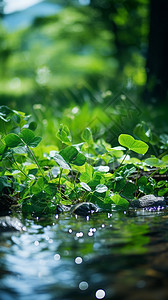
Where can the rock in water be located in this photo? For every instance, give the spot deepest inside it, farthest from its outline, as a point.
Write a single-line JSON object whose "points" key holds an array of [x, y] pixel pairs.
{"points": [[6, 202], [148, 201], [62, 208], [9, 224], [84, 209]]}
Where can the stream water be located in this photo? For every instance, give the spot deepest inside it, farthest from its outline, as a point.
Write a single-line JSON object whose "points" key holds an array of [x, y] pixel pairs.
{"points": [[105, 256]]}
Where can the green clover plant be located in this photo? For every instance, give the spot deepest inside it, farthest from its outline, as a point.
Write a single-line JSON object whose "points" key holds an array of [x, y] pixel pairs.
{"points": [[109, 176]]}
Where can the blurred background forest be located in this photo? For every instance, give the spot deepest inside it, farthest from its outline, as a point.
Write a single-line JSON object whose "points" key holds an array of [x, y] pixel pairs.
{"points": [[97, 63]]}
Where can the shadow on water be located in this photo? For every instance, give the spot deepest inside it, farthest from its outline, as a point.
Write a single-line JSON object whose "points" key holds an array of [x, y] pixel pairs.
{"points": [[106, 256]]}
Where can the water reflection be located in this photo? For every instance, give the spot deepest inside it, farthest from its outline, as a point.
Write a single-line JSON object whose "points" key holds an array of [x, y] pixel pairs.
{"points": [[116, 256], [83, 285], [100, 294]]}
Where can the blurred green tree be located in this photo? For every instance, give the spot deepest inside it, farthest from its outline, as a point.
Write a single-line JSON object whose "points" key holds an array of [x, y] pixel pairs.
{"points": [[157, 58], [99, 46], [5, 51], [127, 20]]}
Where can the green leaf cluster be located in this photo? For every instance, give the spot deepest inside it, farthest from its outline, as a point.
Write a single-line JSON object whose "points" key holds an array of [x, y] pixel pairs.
{"points": [[93, 171]]}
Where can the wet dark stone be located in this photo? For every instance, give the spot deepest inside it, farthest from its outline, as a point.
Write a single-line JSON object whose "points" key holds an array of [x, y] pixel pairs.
{"points": [[6, 202], [149, 201], [84, 209], [62, 208], [10, 224]]}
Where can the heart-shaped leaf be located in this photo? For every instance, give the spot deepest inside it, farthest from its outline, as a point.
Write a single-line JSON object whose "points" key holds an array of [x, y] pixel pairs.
{"points": [[61, 162], [27, 135], [69, 154], [13, 140], [64, 135], [87, 135], [79, 160], [165, 158], [29, 138], [32, 126], [155, 162], [118, 200], [88, 174], [132, 144]]}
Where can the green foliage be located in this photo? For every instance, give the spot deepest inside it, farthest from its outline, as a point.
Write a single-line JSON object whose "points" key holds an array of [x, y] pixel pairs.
{"points": [[87, 136], [76, 172], [132, 144], [85, 186], [4, 183], [61, 162], [64, 134], [119, 201], [71, 56], [164, 141], [143, 131], [155, 162], [12, 140]]}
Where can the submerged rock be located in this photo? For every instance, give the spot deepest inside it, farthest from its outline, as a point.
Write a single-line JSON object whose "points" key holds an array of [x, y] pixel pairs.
{"points": [[148, 201], [84, 209], [10, 224]]}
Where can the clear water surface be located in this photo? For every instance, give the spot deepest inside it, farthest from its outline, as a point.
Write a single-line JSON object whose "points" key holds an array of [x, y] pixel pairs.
{"points": [[105, 256]]}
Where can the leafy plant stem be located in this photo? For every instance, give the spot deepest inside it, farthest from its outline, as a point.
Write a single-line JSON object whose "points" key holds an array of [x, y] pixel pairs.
{"points": [[113, 166], [61, 170], [164, 153], [138, 195], [4, 129], [74, 183], [122, 160], [15, 162], [76, 176], [85, 193], [31, 152], [59, 182], [152, 173], [20, 168], [62, 194], [136, 180]]}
